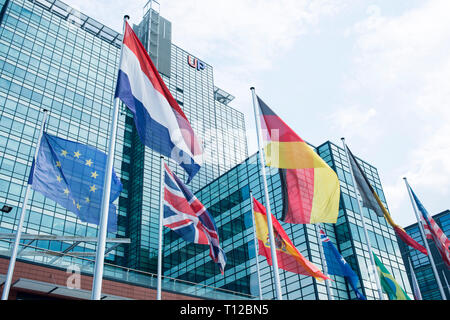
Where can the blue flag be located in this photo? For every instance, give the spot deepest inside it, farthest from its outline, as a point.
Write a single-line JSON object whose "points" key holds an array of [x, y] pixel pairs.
{"points": [[338, 266], [72, 175]]}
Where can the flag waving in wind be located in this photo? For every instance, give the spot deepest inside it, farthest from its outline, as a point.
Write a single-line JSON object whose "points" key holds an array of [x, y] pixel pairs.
{"points": [[188, 217], [72, 175], [433, 232], [310, 187], [160, 122], [337, 265], [388, 283], [289, 258], [371, 200]]}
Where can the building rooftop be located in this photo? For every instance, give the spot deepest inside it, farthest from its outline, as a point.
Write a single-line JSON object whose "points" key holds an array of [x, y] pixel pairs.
{"points": [[81, 20]]}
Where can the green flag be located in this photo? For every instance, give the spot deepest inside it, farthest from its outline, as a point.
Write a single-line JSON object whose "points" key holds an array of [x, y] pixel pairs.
{"points": [[388, 283]]}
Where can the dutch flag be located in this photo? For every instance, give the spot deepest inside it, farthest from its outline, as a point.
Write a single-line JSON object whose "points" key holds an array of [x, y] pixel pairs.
{"points": [[160, 122]]}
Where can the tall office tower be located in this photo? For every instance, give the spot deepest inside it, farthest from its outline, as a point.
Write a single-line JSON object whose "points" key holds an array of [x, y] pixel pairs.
{"points": [[227, 199], [220, 127], [421, 265], [54, 57]]}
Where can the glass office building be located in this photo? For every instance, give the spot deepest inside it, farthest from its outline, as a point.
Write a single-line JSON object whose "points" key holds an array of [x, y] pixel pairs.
{"points": [[47, 60], [191, 83], [421, 264], [54, 57], [227, 199]]}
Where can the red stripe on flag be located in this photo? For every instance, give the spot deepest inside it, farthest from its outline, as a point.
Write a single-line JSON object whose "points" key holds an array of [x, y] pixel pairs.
{"points": [[197, 207], [298, 195], [278, 130], [148, 68], [177, 224], [178, 203], [291, 263], [409, 241]]}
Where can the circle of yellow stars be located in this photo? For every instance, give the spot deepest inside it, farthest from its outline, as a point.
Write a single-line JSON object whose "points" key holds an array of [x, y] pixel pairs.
{"points": [[94, 174]]}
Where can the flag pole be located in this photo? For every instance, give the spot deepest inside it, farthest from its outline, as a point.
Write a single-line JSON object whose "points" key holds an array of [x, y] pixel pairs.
{"points": [[422, 232], [414, 280], [369, 246], [266, 196], [445, 279], [256, 247], [101, 242], [324, 263], [12, 260], [160, 231]]}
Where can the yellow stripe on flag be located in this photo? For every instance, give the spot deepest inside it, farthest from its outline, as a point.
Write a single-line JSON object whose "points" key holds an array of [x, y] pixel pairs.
{"points": [[325, 207], [292, 155], [262, 231], [288, 256]]}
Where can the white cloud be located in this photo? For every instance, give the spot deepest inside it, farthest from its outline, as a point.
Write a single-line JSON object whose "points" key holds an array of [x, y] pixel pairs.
{"points": [[402, 65], [249, 32], [242, 39], [354, 121]]}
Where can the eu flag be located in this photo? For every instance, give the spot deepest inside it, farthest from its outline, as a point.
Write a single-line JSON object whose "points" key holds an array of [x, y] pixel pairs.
{"points": [[337, 265], [72, 175]]}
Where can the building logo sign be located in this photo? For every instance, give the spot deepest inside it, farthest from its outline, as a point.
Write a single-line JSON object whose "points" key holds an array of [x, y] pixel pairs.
{"points": [[195, 63]]}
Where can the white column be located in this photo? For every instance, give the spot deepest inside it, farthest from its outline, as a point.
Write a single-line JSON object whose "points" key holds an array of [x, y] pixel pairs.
{"points": [[160, 231], [266, 196], [425, 241], [324, 263], [416, 288], [369, 246], [101, 243], [12, 260], [256, 247]]}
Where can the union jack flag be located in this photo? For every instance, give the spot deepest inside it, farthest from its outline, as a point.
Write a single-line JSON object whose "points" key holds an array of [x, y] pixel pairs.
{"points": [[188, 217], [323, 236], [433, 232]]}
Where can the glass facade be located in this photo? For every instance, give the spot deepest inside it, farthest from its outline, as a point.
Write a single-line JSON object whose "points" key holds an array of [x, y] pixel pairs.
{"points": [[227, 199], [53, 57], [421, 264], [47, 61], [214, 122]]}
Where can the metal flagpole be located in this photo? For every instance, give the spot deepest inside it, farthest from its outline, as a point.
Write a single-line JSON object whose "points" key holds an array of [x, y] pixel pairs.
{"points": [[160, 231], [414, 279], [324, 263], [101, 242], [445, 279], [369, 246], [266, 195], [12, 260], [422, 232], [256, 247]]}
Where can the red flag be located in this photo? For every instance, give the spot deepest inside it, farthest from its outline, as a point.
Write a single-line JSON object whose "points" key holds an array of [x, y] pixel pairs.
{"points": [[433, 232], [289, 258]]}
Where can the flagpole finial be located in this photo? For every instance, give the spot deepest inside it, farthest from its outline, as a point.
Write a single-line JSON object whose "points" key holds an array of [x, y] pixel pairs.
{"points": [[126, 17], [404, 178], [343, 139], [252, 88]]}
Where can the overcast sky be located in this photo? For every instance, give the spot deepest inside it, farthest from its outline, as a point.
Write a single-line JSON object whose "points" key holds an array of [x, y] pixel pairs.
{"points": [[374, 72]]}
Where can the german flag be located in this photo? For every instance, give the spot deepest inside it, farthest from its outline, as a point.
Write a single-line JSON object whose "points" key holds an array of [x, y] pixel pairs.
{"points": [[289, 258], [310, 187]]}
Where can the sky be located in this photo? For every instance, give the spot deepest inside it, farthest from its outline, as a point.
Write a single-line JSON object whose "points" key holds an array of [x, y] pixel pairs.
{"points": [[374, 72]]}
